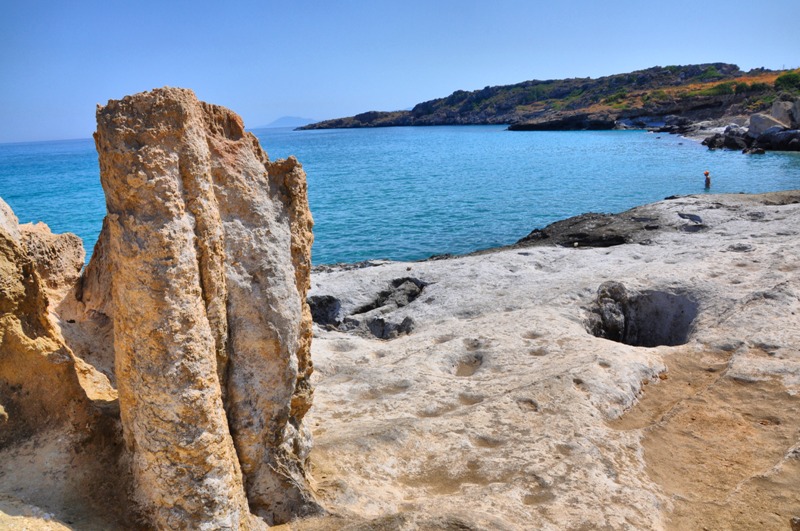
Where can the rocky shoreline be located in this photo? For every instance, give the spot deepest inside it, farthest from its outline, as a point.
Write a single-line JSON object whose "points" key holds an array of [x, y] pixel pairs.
{"points": [[718, 103], [632, 370], [637, 370], [779, 130]]}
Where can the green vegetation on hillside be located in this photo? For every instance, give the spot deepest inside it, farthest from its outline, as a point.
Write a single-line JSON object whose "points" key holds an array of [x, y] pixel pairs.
{"points": [[575, 102], [789, 81]]}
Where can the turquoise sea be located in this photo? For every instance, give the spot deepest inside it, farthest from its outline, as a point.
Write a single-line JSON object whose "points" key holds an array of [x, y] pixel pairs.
{"points": [[411, 192]]}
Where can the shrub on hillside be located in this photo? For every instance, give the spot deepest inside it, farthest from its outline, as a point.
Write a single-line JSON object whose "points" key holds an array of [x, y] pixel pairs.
{"points": [[711, 73], [788, 81]]}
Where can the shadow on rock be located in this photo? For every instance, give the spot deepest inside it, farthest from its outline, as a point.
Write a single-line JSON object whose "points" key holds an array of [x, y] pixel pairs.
{"points": [[642, 319], [371, 319]]}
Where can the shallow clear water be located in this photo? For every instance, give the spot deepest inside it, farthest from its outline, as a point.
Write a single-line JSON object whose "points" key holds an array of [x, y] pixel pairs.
{"points": [[56, 182], [410, 192]]}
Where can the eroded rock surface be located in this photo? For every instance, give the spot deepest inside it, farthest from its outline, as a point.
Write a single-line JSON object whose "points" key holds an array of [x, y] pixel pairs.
{"points": [[206, 248], [59, 436], [178, 362], [650, 318], [58, 258], [34, 362], [502, 411]]}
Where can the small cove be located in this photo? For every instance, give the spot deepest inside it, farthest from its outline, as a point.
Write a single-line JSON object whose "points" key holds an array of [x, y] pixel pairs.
{"points": [[407, 193]]}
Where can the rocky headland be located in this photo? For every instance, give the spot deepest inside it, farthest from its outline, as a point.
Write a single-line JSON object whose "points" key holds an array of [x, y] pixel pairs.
{"points": [[631, 371], [693, 100]]}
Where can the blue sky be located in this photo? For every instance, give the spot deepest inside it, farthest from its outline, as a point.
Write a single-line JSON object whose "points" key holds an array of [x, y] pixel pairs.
{"points": [[324, 59]]}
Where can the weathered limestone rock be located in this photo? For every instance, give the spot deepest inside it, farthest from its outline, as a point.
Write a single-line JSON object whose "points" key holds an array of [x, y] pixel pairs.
{"points": [[59, 433], [501, 411], [782, 111], [608, 317], [58, 258], [39, 384], [759, 123], [206, 247], [85, 316], [8, 221]]}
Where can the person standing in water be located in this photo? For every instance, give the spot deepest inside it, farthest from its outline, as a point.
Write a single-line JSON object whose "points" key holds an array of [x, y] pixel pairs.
{"points": [[708, 179]]}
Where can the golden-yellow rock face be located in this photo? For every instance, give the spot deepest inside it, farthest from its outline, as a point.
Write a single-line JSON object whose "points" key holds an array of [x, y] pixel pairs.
{"points": [[39, 386], [177, 363], [58, 430], [206, 248]]}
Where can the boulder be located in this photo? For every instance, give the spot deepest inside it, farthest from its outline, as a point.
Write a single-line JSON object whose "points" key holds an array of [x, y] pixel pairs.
{"points": [[675, 124], [206, 249], [759, 123], [782, 111], [375, 317], [736, 137], [715, 141], [607, 317], [728, 140], [325, 310], [777, 139], [735, 142], [796, 114], [735, 130]]}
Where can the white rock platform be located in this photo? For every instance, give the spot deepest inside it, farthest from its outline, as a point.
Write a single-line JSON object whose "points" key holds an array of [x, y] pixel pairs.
{"points": [[499, 410]]}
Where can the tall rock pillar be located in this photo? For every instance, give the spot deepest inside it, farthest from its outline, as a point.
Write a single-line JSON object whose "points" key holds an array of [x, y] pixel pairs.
{"points": [[208, 245]]}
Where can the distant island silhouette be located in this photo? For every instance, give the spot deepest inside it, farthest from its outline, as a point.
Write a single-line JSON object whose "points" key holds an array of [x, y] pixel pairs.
{"points": [[288, 121]]}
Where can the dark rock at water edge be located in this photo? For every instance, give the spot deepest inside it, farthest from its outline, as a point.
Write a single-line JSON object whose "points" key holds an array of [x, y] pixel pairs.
{"points": [[774, 139], [569, 122], [585, 230]]}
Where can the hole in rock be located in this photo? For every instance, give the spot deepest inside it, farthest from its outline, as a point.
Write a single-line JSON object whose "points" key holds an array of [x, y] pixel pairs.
{"points": [[642, 319], [469, 364]]}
